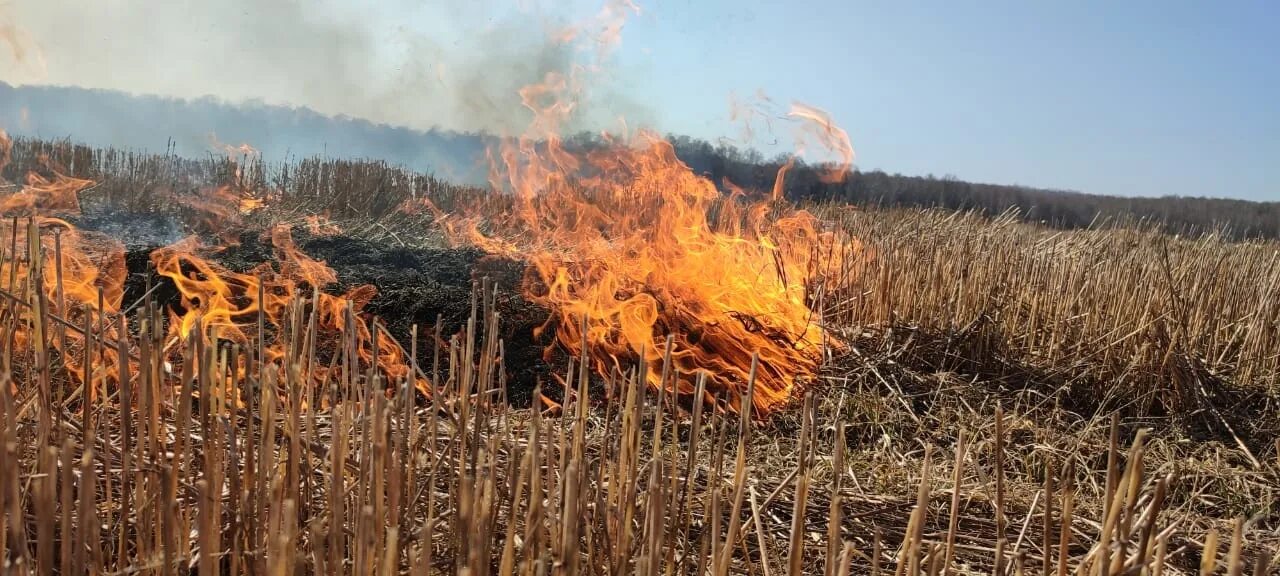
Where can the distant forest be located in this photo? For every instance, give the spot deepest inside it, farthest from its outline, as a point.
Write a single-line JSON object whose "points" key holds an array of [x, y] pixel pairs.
{"points": [[1235, 219], [195, 128]]}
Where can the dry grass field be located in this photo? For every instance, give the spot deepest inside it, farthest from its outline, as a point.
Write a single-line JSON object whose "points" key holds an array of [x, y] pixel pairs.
{"points": [[990, 397]]}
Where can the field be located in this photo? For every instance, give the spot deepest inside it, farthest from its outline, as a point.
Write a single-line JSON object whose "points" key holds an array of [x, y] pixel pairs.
{"points": [[986, 396]]}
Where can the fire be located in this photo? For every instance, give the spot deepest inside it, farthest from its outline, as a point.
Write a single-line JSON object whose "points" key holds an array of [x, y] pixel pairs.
{"points": [[232, 151], [626, 245], [240, 156], [58, 194], [221, 210], [631, 245], [817, 124], [628, 248], [319, 226], [6, 152], [92, 285], [225, 304], [78, 276], [248, 205]]}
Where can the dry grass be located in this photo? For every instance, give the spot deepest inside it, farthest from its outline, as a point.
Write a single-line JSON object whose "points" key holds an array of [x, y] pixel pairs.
{"points": [[166, 476], [1128, 320], [1013, 401]]}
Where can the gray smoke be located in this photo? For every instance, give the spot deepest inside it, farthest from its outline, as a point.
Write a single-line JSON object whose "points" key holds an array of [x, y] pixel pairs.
{"points": [[402, 63]]}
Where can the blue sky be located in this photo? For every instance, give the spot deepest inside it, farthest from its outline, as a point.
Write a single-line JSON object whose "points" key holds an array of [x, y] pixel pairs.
{"points": [[1129, 98]]}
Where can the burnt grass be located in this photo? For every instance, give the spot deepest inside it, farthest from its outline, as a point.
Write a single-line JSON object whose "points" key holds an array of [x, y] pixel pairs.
{"points": [[415, 286]]}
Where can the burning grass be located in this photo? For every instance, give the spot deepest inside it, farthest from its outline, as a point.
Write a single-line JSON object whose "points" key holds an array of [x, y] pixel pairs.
{"points": [[626, 245], [1003, 399]]}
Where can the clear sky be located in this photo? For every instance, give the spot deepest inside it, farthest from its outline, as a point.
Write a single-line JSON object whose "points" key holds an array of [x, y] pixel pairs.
{"points": [[1132, 97], [1129, 98]]}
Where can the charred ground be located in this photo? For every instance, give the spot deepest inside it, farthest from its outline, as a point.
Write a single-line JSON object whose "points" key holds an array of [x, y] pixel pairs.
{"points": [[422, 286]]}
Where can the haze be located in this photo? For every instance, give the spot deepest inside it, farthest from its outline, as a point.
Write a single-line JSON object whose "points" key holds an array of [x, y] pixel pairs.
{"points": [[1138, 98]]}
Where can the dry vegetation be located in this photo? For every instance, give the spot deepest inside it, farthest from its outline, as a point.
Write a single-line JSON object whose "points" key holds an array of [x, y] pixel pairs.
{"points": [[1012, 400], [1183, 330]]}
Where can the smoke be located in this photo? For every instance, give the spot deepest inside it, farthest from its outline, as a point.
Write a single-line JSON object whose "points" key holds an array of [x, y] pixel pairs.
{"points": [[400, 62]]}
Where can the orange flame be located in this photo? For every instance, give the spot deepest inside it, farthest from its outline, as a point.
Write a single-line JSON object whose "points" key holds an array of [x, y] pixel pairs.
{"points": [[238, 155], [80, 281], [81, 277], [225, 302], [232, 151], [58, 194], [221, 210], [626, 245], [6, 151], [634, 246], [817, 124], [322, 226]]}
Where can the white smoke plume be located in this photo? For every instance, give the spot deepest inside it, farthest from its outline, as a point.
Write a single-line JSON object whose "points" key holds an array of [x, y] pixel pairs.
{"points": [[399, 62]]}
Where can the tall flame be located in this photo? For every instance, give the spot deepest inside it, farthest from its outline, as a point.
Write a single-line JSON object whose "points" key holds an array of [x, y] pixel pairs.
{"points": [[58, 194], [626, 245], [633, 246], [78, 276]]}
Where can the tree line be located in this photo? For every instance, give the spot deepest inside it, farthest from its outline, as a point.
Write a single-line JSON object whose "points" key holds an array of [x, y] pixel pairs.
{"points": [[1234, 219], [195, 128]]}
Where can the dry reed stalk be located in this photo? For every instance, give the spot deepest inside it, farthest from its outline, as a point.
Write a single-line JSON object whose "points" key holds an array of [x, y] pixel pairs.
{"points": [[953, 522], [349, 472], [834, 512], [999, 567], [1209, 554], [801, 501]]}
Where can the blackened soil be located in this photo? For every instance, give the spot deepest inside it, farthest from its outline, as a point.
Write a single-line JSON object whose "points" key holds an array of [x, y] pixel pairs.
{"points": [[135, 230], [415, 286]]}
